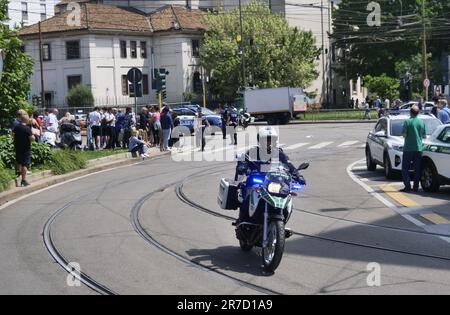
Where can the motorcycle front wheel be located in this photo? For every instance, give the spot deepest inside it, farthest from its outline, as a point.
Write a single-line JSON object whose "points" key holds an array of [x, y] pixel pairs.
{"points": [[273, 252]]}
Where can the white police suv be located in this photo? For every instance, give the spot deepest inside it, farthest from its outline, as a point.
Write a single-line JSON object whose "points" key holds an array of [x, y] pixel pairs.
{"points": [[385, 143], [436, 160]]}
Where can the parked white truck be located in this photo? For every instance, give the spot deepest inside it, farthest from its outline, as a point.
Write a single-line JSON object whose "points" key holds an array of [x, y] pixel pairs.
{"points": [[277, 105]]}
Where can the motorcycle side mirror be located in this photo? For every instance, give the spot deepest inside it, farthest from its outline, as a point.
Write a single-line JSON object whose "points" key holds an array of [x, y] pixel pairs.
{"points": [[240, 157], [303, 166]]}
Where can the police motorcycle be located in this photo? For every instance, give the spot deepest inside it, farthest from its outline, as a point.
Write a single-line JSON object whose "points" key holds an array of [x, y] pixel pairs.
{"points": [[245, 119], [264, 193]]}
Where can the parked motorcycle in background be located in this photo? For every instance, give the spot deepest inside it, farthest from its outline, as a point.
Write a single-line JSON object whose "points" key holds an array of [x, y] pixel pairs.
{"points": [[245, 120], [268, 198]]}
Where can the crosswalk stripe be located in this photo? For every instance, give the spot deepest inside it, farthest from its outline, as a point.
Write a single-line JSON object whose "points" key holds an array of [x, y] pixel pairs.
{"points": [[320, 145], [435, 218], [348, 143], [296, 146]]}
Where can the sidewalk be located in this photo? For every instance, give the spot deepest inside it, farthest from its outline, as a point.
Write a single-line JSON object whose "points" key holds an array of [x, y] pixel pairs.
{"points": [[46, 178]]}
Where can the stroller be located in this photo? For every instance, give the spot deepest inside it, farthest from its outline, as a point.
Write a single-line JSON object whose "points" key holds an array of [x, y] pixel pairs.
{"points": [[70, 136]]}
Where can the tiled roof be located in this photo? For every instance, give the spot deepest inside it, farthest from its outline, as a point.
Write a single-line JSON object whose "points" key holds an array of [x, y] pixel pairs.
{"points": [[107, 17], [176, 17]]}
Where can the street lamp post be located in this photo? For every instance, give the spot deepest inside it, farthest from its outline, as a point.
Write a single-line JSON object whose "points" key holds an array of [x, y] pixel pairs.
{"points": [[424, 52], [244, 83]]}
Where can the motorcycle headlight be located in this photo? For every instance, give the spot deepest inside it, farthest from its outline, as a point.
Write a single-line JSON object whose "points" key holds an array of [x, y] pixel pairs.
{"points": [[274, 188]]}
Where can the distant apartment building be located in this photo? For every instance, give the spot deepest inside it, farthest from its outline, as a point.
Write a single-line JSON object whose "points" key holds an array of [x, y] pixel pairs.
{"points": [[28, 12]]}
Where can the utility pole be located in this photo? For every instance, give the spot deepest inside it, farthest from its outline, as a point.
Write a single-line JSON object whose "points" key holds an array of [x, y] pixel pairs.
{"points": [[244, 83], [424, 51], [41, 62], [323, 51]]}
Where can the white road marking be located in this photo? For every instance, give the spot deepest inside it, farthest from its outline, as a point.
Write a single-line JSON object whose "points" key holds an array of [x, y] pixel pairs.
{"points": [[347, 143], [320, 145], [296, 146], [386, 202]]}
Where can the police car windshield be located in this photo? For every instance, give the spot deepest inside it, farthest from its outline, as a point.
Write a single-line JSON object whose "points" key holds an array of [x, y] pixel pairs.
{"points": [[206, 111], [397, 126]]}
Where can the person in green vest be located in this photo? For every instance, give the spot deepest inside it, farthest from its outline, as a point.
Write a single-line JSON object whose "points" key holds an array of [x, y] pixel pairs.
{"points": [[414, 132]]}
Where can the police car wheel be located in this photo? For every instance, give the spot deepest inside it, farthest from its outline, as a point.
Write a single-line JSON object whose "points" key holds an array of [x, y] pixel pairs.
{"points": [[371, 166], [388, 171], [430, 178]]}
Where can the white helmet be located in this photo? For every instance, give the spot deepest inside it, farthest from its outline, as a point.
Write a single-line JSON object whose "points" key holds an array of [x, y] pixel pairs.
{"points": [[268, 132]]}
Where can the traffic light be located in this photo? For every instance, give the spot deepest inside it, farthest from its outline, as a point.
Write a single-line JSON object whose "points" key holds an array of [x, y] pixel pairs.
{"points": [[160, 81]]}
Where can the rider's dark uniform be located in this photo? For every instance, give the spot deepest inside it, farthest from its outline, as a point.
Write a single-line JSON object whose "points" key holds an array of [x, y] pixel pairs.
{"points": [[255, 160]]}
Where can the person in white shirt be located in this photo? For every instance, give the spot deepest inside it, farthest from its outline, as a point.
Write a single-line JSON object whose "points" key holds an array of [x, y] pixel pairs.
{"points": [[94, 123], [387, 103], [52, 123]]}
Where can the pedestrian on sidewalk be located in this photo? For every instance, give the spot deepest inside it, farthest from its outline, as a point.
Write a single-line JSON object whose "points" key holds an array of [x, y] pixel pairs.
{"points": [[94, 121], [414, 132], [128, 125], [119, 125], [156, 127], [367, 113], [137, 145], [167, 126], [444, 113], [23, 137]]}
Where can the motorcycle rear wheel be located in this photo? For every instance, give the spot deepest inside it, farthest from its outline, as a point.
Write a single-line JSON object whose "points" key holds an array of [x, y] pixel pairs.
{"points": [[273, 252]]}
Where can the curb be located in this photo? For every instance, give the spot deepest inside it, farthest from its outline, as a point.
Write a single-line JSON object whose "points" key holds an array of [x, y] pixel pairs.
{"points": [[46, 181]]}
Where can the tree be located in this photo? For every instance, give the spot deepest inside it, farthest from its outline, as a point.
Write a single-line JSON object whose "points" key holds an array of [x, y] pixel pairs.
{"points": [[383, 85], [274, 53], [17, 69], [80, 96], [376, 50]]}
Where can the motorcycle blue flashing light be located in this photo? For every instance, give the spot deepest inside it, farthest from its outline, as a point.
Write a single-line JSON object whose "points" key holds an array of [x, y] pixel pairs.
{"points": [[297, 187], [257, 180]]}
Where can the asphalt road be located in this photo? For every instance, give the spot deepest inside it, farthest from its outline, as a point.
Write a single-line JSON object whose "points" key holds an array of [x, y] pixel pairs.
{"points": [[155, 228]]}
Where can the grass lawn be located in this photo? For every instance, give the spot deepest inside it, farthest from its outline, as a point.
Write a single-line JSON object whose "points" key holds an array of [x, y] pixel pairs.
{"points": [[335, 115]]}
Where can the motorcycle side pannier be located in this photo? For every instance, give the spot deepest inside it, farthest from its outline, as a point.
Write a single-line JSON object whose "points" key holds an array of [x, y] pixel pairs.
{"points": [[228, 195]]}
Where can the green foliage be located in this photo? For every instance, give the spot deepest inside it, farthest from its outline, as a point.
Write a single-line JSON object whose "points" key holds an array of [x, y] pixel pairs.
{"points": [[17, 69], [80, 96], [278, 55], [40, 153], [7, 155], [5, 179], [383, 85], [378, 50], [189, 97], [65, 161]]}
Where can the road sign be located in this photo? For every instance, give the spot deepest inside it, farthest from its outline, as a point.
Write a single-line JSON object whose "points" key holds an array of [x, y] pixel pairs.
{"points": [[138, 90], [134, 75], [426, 83]]}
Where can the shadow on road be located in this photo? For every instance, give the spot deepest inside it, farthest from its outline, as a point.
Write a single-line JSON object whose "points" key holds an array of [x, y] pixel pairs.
{"points": [[229, 258]]}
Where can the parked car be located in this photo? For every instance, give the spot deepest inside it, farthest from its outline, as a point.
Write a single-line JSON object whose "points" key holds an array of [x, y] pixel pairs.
{"points": [[385, 143], [436, 160], [428, 105], [188, 114]]}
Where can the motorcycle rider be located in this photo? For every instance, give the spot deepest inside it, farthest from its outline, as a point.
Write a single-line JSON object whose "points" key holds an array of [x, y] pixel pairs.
{"points": [[261, 158]]}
